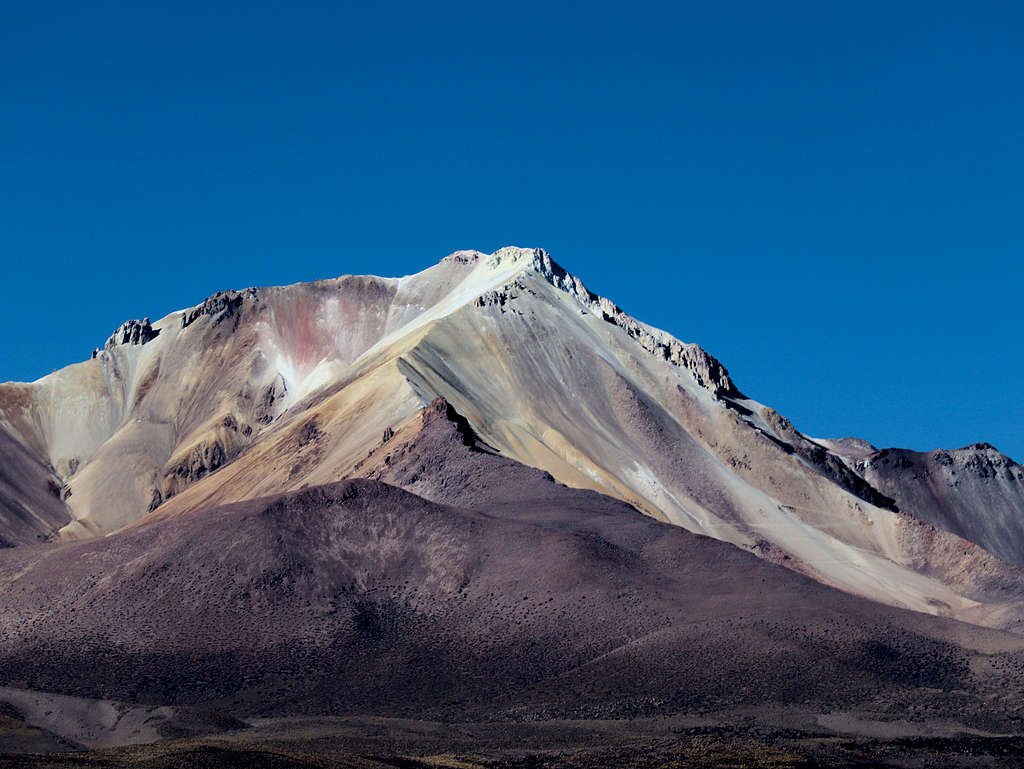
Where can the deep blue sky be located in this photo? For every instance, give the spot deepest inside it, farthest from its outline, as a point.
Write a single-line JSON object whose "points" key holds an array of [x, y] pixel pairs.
{"points": [[829, 200]]}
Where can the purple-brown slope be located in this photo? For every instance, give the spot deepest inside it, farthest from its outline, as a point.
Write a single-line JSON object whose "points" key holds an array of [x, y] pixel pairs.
{"points": [[974, 492], [359, 597]]}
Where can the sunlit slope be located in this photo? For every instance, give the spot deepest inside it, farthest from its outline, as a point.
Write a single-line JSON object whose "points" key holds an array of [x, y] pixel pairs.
{"points": [[161, 406]]}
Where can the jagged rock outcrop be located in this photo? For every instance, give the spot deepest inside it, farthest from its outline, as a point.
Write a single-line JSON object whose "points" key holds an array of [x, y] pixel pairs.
{"points": [[132, 332], [441, 409], [218, 446], [463, 257], [501, 297], [221, 306], [705, 369], [268, 401], [202, 460]]}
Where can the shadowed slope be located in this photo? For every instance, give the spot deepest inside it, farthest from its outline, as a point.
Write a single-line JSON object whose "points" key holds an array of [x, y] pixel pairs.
{"points": [[31, 508], [17, 735], [161, 406], [439, 457]]}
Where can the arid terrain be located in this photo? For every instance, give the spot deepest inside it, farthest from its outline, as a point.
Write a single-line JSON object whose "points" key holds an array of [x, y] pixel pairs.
{"points": [[479, 516]]}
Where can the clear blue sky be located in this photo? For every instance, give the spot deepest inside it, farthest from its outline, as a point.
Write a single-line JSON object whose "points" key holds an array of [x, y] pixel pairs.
{"points": [[829, 199]]}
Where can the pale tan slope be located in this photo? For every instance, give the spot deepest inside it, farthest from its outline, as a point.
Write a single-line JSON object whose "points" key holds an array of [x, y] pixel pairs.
{"points": [[274, 389], [311, 446], [164, 405]]}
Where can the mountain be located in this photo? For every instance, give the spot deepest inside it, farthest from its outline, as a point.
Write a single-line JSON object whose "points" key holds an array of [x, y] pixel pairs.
{"points": [[271, 390]]}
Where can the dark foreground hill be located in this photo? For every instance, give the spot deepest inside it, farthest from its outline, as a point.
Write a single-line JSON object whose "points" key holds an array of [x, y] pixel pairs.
{"points": [[533, 601]]}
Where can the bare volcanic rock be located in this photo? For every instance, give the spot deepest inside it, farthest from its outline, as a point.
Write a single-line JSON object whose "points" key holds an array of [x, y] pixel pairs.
{"points": [[825, 461], [438, 456], [132, 332], [221, 306], [705, 369]]}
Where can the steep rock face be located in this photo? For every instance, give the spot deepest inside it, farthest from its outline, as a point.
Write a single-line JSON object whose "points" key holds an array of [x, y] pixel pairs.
{"points": [[267, 403], [218, 446], [132, 332], [706, 370], [974, 492], [221, 306]]}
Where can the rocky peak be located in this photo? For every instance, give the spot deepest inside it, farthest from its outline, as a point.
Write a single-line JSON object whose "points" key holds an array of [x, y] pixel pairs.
{"points": [[132, 332], [708, 372], [463, 257], [980, 447], [221, 306], [441, 409], [705, 368], [982, 460], [508, 255]]}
